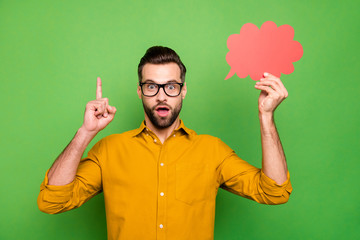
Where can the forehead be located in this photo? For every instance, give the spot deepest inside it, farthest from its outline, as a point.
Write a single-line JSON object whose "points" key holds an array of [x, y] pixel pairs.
{"points": [[161, 73]]}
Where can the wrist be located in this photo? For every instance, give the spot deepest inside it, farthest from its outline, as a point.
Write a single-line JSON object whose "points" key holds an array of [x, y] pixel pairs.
{"points": [[267, 124], [85, 134], [266, 116]]}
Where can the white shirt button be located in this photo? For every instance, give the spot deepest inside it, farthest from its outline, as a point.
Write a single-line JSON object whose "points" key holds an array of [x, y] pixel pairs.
{"points": [[155, 140], [147, 134], [161, 194], [161, 164], [174, 135], [161, 226]]}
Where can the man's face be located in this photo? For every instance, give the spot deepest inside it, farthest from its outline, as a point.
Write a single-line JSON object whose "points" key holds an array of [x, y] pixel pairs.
{"points": [[161, 109]]}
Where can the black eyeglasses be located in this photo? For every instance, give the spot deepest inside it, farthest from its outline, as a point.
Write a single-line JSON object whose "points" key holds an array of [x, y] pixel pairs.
{"points": [[170, 89]]}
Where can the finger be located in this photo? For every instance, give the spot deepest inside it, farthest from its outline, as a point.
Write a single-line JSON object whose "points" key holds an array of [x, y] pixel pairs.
{"points": [[278, 80], [266, 74], [100, 109], [275, 79], [94, 105], [106, 104], [111, 110], [267, 89], [98, 89], [274, 85], [281, 86], [98, 113], [104, 101]]}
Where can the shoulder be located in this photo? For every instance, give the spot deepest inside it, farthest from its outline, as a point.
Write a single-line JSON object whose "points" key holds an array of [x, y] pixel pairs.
{"points": [[207, 138], [214, 143], [127, 134], [118, 138]]}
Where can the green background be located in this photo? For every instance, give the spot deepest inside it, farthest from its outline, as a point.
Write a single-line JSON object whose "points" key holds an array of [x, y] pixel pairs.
{"points": [[52, 51]]}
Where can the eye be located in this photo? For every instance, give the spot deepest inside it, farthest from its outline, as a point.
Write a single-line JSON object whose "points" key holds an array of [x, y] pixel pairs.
{"points": [[171, 86], [151, 86]]}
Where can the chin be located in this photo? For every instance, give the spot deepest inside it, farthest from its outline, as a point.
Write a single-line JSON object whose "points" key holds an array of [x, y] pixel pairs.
{"points": [[165, 122], [162, 123]]}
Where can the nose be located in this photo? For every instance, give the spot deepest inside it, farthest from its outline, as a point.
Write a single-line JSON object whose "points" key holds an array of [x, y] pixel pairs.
{"points": [[161, 96]]}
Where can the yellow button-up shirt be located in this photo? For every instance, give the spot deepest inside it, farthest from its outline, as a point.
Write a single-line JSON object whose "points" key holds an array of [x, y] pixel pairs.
{"points": [[161, 191]]}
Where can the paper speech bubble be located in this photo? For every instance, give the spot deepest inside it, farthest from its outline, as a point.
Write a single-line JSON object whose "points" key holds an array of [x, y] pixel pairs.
{"points": [[268, 49]]}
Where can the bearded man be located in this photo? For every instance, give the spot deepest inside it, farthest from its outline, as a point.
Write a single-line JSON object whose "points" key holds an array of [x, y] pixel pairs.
{"points": [[160, 181]]}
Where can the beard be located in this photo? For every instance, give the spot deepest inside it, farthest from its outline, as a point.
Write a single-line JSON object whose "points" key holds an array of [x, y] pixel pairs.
{"points": [[162, 122]]}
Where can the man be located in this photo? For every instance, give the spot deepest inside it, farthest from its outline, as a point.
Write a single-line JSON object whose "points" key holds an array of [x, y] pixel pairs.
{"points": [[160, 181]]}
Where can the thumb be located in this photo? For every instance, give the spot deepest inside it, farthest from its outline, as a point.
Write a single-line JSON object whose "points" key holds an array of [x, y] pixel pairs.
{"points": [[111, 110]]}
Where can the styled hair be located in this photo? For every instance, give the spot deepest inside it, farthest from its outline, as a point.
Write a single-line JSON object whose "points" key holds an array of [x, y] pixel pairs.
{"points": [[161, 55]]}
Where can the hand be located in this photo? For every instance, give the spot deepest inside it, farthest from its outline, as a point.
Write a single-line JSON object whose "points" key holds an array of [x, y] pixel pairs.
{"points": [[272, 93], [98, 113]]}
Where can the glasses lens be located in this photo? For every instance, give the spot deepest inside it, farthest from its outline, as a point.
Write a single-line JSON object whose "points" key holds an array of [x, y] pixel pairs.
{"points": [[149, 89], [172, 89]]}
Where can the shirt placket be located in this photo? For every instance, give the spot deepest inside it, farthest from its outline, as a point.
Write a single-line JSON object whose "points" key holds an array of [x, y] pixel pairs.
{"points": [[161, 226], [162, 195]]}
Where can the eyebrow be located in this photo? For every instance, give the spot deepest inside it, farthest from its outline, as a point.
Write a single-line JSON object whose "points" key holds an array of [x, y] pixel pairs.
{"points": [[152, 81]]}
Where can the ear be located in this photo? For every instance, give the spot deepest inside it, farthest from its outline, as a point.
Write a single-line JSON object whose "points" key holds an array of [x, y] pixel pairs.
{"points": [[183, 91], [139, 91]]}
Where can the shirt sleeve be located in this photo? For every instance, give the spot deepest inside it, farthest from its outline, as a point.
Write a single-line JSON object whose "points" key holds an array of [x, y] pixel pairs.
{"points": [[243, 179], [87, 183]]}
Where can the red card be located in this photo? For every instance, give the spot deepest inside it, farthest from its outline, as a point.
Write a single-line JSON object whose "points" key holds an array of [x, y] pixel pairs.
{"points": [[268, 49]]}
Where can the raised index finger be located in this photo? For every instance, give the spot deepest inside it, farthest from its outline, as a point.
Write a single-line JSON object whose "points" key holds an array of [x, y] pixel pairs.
{"points": [[98, 89]]}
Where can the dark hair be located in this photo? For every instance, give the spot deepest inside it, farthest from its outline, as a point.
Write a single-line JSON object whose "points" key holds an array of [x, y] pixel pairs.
{"points": [[161, 55]]}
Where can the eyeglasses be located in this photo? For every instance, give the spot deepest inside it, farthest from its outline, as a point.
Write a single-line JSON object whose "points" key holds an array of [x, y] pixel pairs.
{"points": [[170, 89]]}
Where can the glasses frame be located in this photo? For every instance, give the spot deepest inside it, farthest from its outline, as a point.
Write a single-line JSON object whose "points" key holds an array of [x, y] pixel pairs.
{"points": [[161, 86]]}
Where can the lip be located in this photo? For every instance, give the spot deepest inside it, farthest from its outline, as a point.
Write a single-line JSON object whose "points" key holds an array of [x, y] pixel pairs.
{"points": [[162, 110], [162, 106]]}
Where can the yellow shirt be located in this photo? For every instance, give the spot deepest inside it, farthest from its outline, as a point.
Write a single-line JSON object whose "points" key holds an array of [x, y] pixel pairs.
{"points": [[161, 191]]}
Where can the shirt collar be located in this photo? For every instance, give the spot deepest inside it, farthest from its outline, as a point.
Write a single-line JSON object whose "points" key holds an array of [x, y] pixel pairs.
{"points": [[140, 129], [181, 126]]}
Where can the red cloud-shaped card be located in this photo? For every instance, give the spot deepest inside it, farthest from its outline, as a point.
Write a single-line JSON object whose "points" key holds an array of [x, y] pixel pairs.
{"points": [[268, 49]]}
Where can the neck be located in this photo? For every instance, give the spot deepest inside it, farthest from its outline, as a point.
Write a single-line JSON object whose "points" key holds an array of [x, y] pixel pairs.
{"points": [[162, 133]]}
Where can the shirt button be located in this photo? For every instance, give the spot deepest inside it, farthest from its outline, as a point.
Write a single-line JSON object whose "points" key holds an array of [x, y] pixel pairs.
{"points": [[155, 140], [161, 194], [174, 135], [161, 226], [161, 164]]}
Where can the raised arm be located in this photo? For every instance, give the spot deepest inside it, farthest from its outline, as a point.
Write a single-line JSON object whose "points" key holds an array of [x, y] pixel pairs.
{"points": [[98, 114], [272, 94]]}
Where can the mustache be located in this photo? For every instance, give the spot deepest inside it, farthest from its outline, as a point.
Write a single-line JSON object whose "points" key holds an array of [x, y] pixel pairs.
{"points": [[161, 104]]}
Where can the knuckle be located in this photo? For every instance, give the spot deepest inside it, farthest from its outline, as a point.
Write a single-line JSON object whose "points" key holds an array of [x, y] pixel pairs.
{"points": [[104, 101], [89, 105], [276, 83]]}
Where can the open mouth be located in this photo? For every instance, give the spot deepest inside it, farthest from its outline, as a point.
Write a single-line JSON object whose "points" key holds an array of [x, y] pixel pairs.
{"points": [[163, 111]]}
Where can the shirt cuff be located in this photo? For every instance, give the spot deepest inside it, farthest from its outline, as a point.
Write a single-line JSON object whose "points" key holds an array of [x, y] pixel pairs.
{"points": [[270, 187], [56, 193]]}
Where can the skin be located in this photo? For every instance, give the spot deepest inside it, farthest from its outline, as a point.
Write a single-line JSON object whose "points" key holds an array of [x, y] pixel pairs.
{"points": [[98, 114], [161, 74], [272, 94]]}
